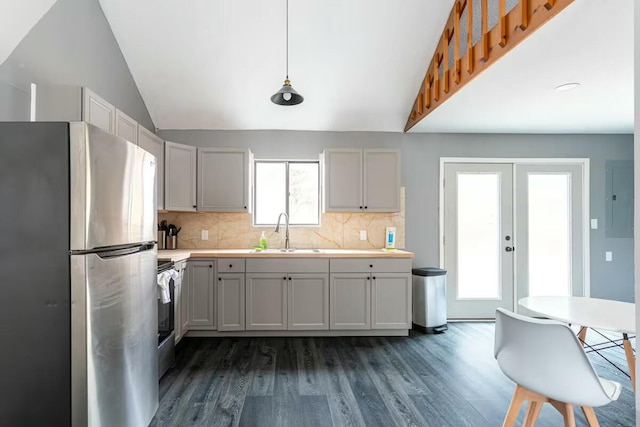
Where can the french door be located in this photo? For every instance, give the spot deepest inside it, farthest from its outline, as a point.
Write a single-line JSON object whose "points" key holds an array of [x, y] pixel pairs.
{"points": [[511, 230]]}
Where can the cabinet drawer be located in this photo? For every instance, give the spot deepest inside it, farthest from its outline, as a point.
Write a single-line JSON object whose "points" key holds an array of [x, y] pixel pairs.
{"points": [[288, 265], [373, 265], [230, 265]]}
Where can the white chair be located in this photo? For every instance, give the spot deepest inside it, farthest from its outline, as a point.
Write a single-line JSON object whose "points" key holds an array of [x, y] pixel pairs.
{"points": [[548, 364]]}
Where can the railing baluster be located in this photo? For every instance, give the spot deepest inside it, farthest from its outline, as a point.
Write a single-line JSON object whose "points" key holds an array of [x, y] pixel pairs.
{"points": [[485, 30], [445, 66], [427, 92], [524, 4], [549, 5], [502, 10], [470, 58], [456, 45]]}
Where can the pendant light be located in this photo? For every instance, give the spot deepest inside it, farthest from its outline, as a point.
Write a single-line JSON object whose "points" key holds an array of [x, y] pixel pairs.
{"points": [[287, 95]]}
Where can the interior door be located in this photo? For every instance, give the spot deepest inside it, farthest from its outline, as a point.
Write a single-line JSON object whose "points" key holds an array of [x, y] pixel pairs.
{"points": [[478, 239], [549, 230]]}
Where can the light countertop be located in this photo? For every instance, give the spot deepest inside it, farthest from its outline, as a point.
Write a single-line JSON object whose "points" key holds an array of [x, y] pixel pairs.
{"points": [[182, 254]]}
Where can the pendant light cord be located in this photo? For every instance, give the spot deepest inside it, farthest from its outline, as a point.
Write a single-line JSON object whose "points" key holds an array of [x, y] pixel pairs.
{"points": [[287, 39]]}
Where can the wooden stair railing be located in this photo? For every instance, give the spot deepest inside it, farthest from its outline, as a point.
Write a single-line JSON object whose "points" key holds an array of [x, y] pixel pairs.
{"points": [[512, 28]]}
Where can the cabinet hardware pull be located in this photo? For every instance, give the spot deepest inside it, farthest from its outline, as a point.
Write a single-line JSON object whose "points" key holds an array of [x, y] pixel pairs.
{"points": [[284, 278], [219, 279], [210, 266], [230, 265], [289, 278], [360, 207], [194, 206], [366, 207], [367, 277], [370, 265], [374, 277], [245, 207]]}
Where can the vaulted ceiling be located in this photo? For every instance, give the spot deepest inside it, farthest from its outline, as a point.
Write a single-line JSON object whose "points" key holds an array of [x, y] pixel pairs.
{"points": [[213, 64], [17, 19]]}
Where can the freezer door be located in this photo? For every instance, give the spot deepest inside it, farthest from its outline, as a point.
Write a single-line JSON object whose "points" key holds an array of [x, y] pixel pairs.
{"points": [[114, 361], [113, 190]]}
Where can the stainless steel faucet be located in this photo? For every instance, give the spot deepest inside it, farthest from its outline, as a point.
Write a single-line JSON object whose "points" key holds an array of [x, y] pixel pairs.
{"points": [[277, 230]]}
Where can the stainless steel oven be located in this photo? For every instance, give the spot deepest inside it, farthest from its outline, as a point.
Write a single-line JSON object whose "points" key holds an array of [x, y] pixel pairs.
{"points": [[166, 322]]}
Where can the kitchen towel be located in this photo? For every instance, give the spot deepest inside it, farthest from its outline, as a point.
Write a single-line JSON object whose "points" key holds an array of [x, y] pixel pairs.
{"points": [[164, 278]]}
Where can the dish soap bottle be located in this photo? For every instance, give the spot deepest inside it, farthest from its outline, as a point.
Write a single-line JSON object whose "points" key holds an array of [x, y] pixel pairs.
{"points": [[263, 241]]}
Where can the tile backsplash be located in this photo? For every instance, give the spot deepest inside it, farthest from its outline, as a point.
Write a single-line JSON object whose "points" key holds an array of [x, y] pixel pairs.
{"points": [[236, 230]]}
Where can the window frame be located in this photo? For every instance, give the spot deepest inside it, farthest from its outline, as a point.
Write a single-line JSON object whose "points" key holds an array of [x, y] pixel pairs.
{"points": [[287, 190]]}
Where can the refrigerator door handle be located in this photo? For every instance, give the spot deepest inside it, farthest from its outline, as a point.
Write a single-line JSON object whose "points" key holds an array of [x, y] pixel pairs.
{"points": [[118, 251]]}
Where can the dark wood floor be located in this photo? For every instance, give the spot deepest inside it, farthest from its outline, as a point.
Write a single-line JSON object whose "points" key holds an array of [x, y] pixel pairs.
{"points": [[449, 379]]}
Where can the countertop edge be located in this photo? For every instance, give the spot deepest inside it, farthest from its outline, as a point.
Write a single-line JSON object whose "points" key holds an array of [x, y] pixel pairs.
{"points": [[184, 254]]}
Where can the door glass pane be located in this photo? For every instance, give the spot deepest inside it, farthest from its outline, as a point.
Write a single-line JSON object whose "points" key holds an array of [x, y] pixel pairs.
{"points": [[478, 235], [271, 191], [549, 234], [304, 193]]}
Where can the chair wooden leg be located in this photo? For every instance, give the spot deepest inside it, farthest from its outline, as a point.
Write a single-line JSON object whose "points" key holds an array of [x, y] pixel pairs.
{"points": [[514, 407], [631, 359], [582, 334], [533, 411], [566, 409], [590, 415]]}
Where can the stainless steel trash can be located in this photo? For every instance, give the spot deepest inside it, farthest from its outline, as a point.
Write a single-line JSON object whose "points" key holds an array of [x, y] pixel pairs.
{"points": [[430, 299]]}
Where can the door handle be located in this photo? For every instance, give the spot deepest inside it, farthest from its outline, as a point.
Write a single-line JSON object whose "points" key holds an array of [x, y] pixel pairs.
{"points": [[510, 249]]}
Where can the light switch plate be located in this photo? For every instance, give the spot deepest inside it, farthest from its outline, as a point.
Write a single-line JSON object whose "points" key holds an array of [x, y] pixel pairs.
{"points": [[204, 235], [608, 256], [363, 234], [594, 223]]}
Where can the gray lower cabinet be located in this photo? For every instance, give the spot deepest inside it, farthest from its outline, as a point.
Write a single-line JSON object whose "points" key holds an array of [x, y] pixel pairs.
{"points": [[185, 299], [266, 301], [350, 306], [308, 301], [202, 295], [231, 301], [391, 301], [177, 302]]}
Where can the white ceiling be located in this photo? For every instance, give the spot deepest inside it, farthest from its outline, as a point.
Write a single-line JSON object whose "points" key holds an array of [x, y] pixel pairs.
{"points": [[213, 64], [590, 42], [17, 19]]}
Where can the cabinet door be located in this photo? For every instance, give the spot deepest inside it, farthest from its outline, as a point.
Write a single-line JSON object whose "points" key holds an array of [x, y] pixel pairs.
{"points": [[201, 295], [97, 111], [231, 301], [154, 145], [343, 180], [391, 301], [126, 127], [381, 181], [180, 177], [185, 299], [308, 301], [223, 180], [177, 310], [266, 301], [350, 306]]}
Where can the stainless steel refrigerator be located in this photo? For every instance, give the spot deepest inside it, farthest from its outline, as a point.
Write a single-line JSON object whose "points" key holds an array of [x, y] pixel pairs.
{"points": [[78, 300]]}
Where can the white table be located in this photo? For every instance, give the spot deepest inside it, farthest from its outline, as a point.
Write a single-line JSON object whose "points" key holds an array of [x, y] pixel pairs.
{"points": [[615, 316]]}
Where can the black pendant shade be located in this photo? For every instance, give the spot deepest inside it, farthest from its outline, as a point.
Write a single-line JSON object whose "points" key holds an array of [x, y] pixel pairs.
{"points": [[287, 95]]}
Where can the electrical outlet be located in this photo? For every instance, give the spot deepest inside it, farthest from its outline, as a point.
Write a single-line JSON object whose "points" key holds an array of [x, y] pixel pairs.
{"points": [[363, 234], [204, 235], [594, 223], [608, 256]]}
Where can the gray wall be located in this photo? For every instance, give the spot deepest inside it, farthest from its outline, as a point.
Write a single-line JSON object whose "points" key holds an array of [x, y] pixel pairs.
{"points": [[421, 156], [73, 45]]}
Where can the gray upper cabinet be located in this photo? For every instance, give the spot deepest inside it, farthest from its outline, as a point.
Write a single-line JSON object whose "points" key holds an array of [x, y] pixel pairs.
{"points": [[381, 180], [126, 127], [72, 103], [343, 180], [97, 111], [180, 177], [224, 180], [362, 180], [155, 145]]}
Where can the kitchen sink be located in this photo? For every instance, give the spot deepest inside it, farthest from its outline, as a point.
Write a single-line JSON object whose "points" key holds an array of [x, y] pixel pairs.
{"points": [[289, 251]]}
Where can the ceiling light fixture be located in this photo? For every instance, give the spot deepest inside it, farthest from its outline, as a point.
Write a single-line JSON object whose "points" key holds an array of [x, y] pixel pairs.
{"points": [[287, 95], [567, 86]]}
